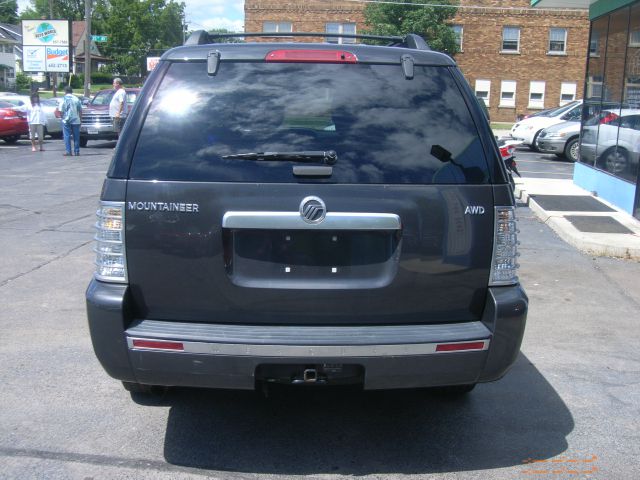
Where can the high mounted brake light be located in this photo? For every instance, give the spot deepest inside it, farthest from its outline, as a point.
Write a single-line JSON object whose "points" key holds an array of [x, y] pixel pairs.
{"points": [[311, 56]]}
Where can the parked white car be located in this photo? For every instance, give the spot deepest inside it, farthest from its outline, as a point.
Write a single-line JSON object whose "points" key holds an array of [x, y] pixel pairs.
{"points": [[527, 130]]}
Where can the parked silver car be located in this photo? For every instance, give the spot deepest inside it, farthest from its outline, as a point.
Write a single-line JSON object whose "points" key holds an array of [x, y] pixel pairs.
{"points": [[563, 139]]}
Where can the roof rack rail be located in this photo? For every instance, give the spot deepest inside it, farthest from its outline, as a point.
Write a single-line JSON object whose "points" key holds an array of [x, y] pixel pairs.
{"points": [[411, 40]]}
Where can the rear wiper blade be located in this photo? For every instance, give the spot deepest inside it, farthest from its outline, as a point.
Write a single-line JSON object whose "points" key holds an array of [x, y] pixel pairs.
{"points": [[329, 157]]}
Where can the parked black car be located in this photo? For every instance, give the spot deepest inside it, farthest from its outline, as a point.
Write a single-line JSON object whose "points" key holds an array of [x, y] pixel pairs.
{"points": [[309, 214]]}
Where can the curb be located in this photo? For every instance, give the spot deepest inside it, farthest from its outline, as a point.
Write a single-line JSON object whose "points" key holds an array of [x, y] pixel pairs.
{"points": [[626, 246]]}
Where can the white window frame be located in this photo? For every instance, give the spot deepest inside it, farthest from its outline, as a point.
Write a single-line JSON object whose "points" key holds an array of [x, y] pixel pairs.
{"points": [[484, 86], [594, 44], [568, 88], [459, 36], [502, 49], [634, 37], [278, 27], [536, 87], [564, 42], [341, 25], [508, 86]]}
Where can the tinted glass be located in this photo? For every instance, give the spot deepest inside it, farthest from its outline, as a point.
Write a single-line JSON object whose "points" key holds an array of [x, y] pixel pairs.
{"points": [[384, 128], [102, 98]]}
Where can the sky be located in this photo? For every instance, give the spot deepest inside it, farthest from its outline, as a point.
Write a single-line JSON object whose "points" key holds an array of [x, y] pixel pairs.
{"points": [[203, 14]]}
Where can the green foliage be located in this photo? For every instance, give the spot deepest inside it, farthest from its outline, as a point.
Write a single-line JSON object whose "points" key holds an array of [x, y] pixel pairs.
{"points": [[136, 30], [23, 82], [427, 21], [226, 39], [9, 12], [69, 9]]}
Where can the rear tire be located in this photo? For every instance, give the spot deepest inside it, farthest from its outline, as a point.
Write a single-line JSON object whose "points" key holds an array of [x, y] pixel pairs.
{"points": [[454, 390], [11, 139], [140, 388], [572, 150]]}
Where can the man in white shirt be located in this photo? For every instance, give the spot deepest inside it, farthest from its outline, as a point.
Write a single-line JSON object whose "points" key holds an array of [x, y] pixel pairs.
{"points": [[118, 106]]}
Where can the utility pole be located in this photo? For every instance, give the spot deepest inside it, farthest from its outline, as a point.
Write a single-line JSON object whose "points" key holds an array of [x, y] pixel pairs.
{"points": [[87, 48], [54, 76]]}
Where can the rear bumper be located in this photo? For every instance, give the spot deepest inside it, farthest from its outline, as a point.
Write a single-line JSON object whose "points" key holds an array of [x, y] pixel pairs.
{"points": [[227, 356]]}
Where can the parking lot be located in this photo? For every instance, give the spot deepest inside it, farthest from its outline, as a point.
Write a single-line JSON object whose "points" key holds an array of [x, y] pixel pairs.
{"points": [[568, 408]]}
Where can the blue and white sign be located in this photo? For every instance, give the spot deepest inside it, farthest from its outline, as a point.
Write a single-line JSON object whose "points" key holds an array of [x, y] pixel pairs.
{"points": [[45, 44], [34, 59]]}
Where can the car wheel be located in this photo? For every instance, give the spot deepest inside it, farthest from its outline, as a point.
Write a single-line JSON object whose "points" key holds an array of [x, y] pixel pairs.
{"points": [[454, 390], [615, 160], [134, 387], [83, 141], [572, 150], [534, 144], [11, 139]]}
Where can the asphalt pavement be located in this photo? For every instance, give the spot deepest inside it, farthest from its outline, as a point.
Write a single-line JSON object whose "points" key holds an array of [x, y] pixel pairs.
{"points": [[567, 409]]}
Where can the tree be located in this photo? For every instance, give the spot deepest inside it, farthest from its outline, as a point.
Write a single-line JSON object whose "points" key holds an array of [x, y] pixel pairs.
{"points": [[9, 12], [226, 39], [403, 18], [61, 9], [136, 30]]}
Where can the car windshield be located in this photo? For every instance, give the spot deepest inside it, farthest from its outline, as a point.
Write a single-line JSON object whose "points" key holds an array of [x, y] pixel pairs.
{"points": [[560, 110], [383, 127], [102, 98]]}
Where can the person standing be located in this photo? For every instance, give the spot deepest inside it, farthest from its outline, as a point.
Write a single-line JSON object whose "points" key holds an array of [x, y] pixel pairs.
{"points": [[37, 121], [118, 106], [71, 115]]}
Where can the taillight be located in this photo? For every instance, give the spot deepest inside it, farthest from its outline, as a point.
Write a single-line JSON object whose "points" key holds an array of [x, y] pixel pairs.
{"points": [[57, 113], [504, 263], [111, 265], [311, 56]]}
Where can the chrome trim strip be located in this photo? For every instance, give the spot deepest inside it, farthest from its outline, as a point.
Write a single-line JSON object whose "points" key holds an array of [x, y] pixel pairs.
{"points": [[293, 221], [299, 351]]}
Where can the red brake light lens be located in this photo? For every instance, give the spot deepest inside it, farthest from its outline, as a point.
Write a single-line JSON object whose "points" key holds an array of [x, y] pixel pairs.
{"points": [[311, 56], [459, 347], [158, 345]]}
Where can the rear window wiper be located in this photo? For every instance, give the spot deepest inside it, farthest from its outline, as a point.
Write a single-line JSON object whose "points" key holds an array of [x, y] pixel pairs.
{"points": [[328, 157]]}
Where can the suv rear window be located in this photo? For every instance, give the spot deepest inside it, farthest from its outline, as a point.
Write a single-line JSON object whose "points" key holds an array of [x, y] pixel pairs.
{"points": [[383, 127]]}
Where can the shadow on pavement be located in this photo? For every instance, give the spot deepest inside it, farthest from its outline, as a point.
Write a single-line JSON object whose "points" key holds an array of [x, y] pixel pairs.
{"points": [[300, 432]]}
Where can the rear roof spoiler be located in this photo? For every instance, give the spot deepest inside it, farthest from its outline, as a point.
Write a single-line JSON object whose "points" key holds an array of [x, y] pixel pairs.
{"points": [[411, 40]]}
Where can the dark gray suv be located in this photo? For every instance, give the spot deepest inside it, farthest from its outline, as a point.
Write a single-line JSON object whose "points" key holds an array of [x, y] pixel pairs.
{"points": [[310, 214]]}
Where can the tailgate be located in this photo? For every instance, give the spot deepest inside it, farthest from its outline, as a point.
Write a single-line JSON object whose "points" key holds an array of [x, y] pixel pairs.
{"points": [[243, 253]]}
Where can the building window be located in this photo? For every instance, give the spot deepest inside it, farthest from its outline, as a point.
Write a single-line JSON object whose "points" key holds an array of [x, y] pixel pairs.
{"points": [[511, 39], [483, 90], [567, 92], [457, 31], [536, 94], [348, 28], [12, 73], [594, 44], [277, 27], [557, 41], [634, 37], [507, 93]]}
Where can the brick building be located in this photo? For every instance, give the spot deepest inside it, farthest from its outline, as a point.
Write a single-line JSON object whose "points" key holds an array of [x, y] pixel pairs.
{"points": [[517, 58]]}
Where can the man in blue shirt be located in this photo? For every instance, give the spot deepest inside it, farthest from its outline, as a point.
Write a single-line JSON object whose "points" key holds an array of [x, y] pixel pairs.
{"points": [[71, 114]]}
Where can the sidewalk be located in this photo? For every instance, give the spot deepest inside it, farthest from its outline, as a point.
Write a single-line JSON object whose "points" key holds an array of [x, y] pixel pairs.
{"points": [[589, 223]]}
